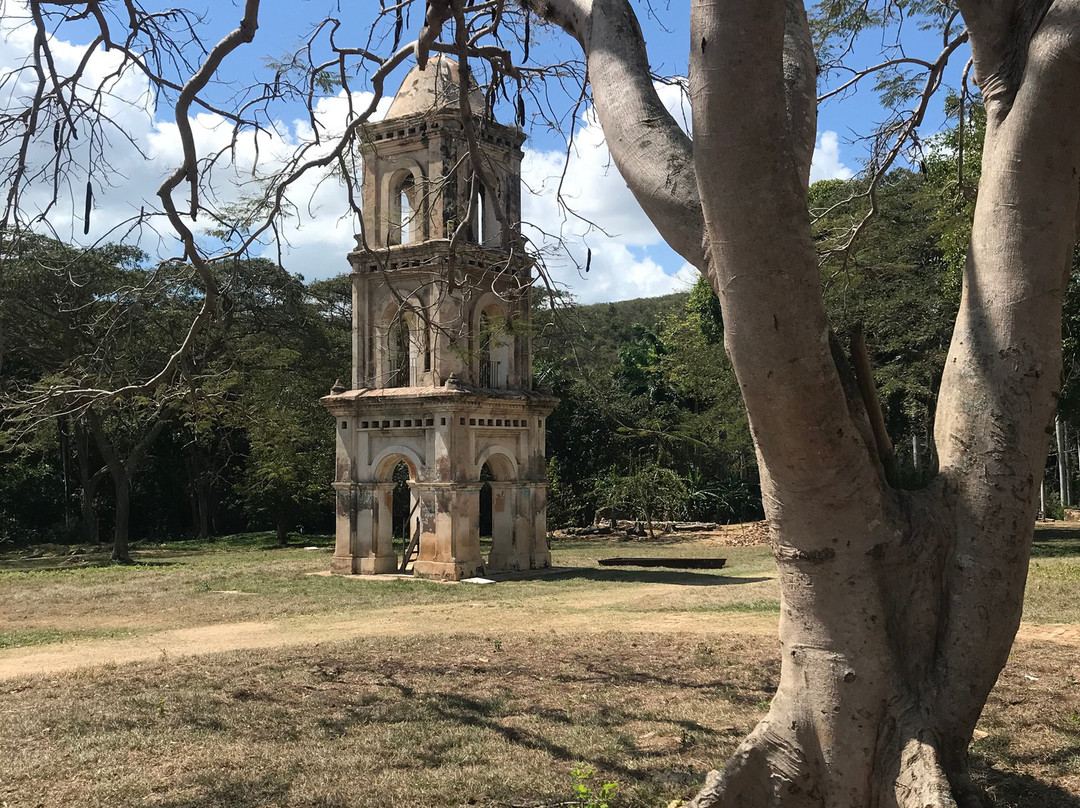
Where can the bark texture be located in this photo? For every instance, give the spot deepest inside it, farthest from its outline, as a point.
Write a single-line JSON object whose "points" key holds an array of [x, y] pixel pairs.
{"points": [[899, 608]]}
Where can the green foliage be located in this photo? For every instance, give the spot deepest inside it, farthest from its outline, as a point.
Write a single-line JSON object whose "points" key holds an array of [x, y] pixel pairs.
{"points": [[646, 492], [587, 794], [1054, 508], [238, 437], [704, 303], [667, 392]]}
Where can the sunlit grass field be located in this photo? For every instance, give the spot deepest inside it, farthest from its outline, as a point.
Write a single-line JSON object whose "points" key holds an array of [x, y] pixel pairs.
{"points": [[422, 694]]}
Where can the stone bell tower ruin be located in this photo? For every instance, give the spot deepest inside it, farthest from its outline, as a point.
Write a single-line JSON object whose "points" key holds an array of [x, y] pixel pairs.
{"points": [[441, 354]]}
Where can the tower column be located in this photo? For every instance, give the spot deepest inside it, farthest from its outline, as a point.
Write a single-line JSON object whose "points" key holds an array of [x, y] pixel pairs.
{"points": [[364, 542], [507, 528], [534, 514], [451, 551]]}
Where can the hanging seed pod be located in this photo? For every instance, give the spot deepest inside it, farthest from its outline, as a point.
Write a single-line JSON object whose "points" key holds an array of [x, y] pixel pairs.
{"points": [[527, 37], [588, 259], [520, 109], [56, 136], [86, 207], [399, 24]]}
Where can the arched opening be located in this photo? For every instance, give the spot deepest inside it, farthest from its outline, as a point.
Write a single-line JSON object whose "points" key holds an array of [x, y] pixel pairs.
{"points": [[398, 354], [493, 349], [486, 503], [498, 506], [481, 216], [405, 210], [399, 509], [487, 373], [404, 222], [402, 501], [486, 227]]}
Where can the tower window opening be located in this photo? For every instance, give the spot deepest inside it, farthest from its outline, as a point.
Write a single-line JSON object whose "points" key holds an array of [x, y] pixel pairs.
{"points": [[405, 210], [481, 216], [486, 370], [486, 502], [399, 354]]}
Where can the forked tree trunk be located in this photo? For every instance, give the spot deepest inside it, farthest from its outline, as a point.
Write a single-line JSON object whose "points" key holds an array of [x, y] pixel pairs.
{"points": [[898, 609], [121, 469]]}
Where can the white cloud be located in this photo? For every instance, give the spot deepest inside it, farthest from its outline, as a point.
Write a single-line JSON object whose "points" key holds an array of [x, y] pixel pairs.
{"points": [[826, 164], [629, 258], [142, 147]]}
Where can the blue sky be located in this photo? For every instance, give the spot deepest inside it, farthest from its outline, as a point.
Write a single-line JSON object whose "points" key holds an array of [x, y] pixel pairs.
{"points": [[628, 257]]}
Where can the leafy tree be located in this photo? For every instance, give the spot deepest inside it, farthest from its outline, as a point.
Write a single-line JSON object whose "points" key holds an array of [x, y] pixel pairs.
{"points": [[285, 355], [645, 492]]}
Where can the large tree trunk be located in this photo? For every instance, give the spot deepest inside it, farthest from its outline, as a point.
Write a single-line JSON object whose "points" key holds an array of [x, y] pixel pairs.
{"points": [[898, 609], [120, 553]]}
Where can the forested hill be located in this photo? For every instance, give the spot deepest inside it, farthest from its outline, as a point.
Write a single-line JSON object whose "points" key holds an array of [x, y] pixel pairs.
{"points": [[590, 336]]}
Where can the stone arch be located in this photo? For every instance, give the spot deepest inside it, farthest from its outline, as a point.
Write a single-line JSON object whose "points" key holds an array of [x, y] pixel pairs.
{"points": [[403, 353], [503, 466], [405, 187], [395, 505], [493, 360], [485, 224], [498, 507], [386, 461]]}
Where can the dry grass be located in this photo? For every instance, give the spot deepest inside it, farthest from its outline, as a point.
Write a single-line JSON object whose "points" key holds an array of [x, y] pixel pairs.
{"points": [[458, 721], [486, 696], [396, 722], [193, 585]]}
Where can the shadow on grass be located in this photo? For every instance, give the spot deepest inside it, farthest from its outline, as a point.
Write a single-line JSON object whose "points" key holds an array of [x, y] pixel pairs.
{"points": [[1009, 790], [227, 790], [1056, 541], [76, 563], [653, 576]]}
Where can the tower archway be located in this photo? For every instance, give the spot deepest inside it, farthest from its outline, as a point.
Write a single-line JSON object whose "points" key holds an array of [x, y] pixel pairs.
{"points": [[499, 505], [397, 515]]}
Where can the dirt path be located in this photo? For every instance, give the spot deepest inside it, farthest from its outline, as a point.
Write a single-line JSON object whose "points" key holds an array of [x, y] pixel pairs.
{"points": [[583, 615], [418, 620], [460, 618], [1065, 633]]}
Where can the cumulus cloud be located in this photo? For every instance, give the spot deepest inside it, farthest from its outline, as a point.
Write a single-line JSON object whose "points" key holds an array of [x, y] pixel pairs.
{"points": [[826, 164], [597, 213], [629, 258], [131, 157]]}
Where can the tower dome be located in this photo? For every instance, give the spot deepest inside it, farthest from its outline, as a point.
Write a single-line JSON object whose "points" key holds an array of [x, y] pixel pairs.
{"points": [[434, 88]]}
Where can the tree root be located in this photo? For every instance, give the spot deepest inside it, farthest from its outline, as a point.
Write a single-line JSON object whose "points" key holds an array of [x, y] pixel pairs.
{"points": [[770, 771], [764, 770]]}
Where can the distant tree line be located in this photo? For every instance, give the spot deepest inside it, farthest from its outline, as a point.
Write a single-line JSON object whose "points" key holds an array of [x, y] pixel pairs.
{"points": [[651, 419], [236, 440]]}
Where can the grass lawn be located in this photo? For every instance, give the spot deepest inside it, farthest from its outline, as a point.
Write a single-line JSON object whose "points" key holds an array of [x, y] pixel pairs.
{"points": [[420, 694]]}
